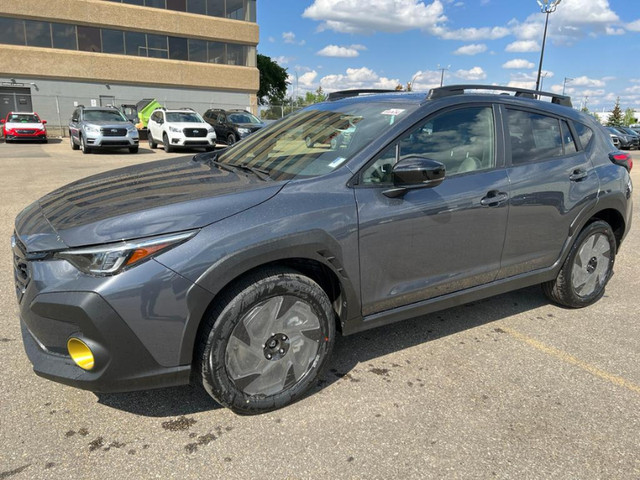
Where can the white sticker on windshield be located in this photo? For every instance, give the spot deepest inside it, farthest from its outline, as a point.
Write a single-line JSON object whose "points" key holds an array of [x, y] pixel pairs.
{"points": [[393, 111], [337, 162]]}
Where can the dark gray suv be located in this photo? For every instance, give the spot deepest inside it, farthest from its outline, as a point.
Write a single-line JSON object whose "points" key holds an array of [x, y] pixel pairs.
{"points": [[238, 268]]}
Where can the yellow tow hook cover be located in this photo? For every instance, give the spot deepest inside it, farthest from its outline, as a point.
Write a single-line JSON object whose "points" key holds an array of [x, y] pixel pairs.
{"points": [[80, 353]]}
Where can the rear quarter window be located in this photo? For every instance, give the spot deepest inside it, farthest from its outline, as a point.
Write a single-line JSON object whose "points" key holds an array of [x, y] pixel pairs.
{"points": [[585, 134]]}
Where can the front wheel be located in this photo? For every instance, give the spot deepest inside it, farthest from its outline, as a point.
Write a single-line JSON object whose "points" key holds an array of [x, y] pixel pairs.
{"points": [[166, 144], [152, 142], [133, 149], [83, 145], [586, 271], [267, 342], [73, 144], [231, 139]]}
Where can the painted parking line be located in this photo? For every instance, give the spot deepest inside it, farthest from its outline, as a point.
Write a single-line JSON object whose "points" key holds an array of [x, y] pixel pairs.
{"points": [[565, 357]]}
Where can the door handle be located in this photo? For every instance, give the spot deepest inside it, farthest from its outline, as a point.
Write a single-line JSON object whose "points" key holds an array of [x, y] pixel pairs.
{"points": [[494, 198], [578, 174]]}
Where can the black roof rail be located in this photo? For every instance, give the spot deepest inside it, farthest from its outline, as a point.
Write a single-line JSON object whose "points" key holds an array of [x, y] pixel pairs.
{"points": [[354, 93], [451, 90]]}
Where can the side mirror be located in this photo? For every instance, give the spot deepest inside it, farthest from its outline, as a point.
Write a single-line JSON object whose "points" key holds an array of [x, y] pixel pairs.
{"points": [[415, 172], [74, 119], [44, 122], [2, 122]]}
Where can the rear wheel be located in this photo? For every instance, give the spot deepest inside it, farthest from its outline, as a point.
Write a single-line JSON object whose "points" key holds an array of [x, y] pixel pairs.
{"points": [[586, 271], [231, 139], [266, 342], [308, 142], [152, 142]]}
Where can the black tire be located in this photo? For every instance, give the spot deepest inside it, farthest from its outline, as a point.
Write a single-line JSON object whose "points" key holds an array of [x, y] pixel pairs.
{"points": [[166, 144], [73, 144], [133, 149], [587, 269], [152, 143], [83, 146], [210, 148], [241, 381], [231, 139]]}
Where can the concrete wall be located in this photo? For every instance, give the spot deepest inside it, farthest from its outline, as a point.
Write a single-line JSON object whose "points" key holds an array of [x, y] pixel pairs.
{"points": [[55, 100]]}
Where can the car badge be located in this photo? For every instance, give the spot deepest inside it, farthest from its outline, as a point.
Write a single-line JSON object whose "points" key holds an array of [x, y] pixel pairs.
{"points": [[114, 130], [195, 131]]}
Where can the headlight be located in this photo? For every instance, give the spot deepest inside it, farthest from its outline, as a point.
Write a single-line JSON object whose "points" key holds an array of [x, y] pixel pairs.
{"points": [[211, 130], [114, 258], [92, 129], [175, 129], [132, 129], [244, 131]]}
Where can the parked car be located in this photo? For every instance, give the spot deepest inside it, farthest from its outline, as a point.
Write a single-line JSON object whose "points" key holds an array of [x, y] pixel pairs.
{"points": [[615, 139], [627, 141], [632, 133], [232, 125], [98, 128], [239, 267], [23, 126], [181, 128]]}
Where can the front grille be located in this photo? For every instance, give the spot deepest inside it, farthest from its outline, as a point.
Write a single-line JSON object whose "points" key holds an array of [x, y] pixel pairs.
{"points": [[195, 132], [115, 143], [113, 132], [26, 132], [196, 142], [21, 274]]}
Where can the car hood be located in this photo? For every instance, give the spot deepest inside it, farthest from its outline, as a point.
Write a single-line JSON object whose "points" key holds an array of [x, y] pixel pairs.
{"points": [[144, 200], [20, 125], [105, 123], [251, 126], [203, 126]]}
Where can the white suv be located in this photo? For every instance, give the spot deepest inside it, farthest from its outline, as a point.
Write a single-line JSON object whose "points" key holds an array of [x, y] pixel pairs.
{"points": [[179, 128]]}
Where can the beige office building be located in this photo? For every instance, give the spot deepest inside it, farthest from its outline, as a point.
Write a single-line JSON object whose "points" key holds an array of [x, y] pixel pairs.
{"points": [[57, 54]]}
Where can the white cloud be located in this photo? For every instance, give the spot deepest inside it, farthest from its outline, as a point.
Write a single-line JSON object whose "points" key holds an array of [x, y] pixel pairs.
{"points": [[368, 16], [471, 34], [522, 46], [357, 78], [472, 49], [518, 63], [343, 52], [426, 80], [476, 73], [585, 81], [282, 60], [307, 80], [634, 26], [289, 37]]}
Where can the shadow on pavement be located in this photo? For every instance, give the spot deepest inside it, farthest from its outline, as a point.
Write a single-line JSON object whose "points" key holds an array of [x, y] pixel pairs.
{"points": [[348, 352]]}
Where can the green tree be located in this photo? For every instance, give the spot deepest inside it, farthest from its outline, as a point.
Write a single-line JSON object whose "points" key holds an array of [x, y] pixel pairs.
{"points": [[273, 81], [317, 97], [615, 119], [629, 117]]}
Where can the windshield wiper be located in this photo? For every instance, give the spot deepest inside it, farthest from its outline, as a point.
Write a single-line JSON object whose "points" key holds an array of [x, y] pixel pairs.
{"points": [[261, 173]]}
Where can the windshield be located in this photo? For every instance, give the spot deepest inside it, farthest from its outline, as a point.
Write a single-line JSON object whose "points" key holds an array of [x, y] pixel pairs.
{"points": [[103, 116], [184, 117], [315, 141], [244, 117], [23, 118]]}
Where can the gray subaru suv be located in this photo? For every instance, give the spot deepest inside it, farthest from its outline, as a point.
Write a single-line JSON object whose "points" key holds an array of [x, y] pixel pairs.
{"points": [[93, 128], [238, 268]]}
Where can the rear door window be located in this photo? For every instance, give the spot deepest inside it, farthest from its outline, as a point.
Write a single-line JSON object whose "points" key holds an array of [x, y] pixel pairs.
{"points": [[533, 137]]}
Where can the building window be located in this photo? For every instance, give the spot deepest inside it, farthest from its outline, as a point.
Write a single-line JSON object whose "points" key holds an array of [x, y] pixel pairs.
{"points": [[112, 41], [89, 39], [177, 5], [38, 33], [64, 36], [105, 40], [178, 48], [12, 31], [244, 10]]}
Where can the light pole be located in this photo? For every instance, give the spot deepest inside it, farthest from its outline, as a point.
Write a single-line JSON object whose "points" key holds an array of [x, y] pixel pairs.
{"points": [[564, 84], [547, 7], [442, 70]]}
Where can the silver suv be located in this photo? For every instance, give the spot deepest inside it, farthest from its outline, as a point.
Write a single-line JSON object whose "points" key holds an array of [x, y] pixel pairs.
{"points": [[93, 128]]}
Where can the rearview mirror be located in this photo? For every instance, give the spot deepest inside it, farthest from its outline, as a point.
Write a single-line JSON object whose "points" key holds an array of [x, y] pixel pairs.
{"points": [[415, 172]]}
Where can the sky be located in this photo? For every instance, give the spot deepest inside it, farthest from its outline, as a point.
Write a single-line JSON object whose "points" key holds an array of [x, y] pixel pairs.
{"points": [[592, 48]]}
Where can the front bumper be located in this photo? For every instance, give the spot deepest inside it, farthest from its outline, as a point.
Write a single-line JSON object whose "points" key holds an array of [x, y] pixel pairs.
{"points": [[122, 363], [112, 142], [26, 137], [187, 142]]}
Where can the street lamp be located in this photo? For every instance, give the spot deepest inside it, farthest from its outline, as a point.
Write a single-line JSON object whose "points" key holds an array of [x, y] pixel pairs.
{"points": [[442, 70], [564, 84], [547, 7]]}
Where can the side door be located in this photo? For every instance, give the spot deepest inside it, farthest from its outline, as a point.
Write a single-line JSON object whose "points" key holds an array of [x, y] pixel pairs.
{"points": [[155, 126], [434, 241], [552, 181]]}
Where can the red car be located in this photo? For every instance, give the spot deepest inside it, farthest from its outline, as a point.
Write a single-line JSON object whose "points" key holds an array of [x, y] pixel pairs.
{"points": [[23, 126]]}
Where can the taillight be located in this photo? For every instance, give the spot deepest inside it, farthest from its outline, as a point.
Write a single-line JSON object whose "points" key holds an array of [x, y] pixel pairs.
{"points": [[622, 159]]}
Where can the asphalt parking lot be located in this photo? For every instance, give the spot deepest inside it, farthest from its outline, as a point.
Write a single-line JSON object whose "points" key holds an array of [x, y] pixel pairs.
{"points": [[509, 387]]}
